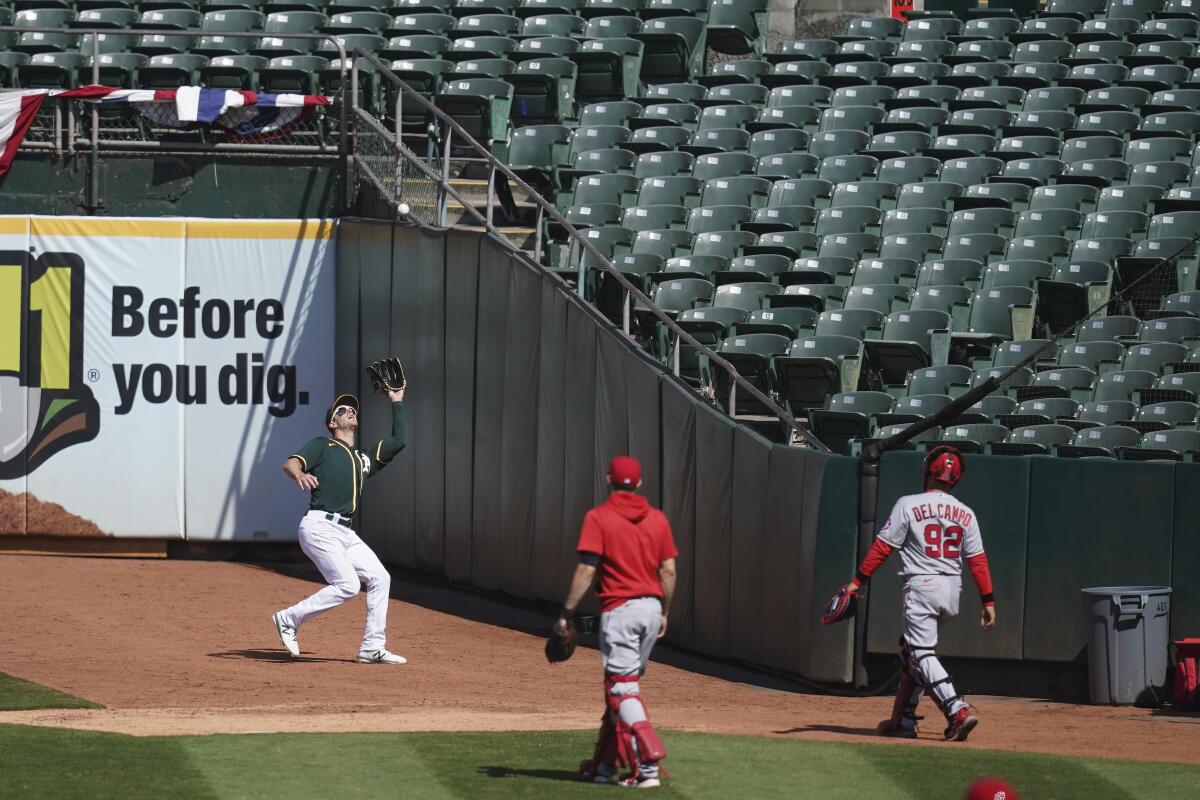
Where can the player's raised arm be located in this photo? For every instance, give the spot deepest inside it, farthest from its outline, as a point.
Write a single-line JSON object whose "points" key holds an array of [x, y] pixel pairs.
{"points": [[386, 449]]}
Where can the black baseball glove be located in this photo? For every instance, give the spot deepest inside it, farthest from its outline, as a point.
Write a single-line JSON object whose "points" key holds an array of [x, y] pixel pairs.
{"points": [[561, 644], [841, 606], [387, 375]]}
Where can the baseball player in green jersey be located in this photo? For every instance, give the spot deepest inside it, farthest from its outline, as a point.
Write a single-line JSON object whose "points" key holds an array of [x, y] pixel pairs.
{"points": [[333, 471]]}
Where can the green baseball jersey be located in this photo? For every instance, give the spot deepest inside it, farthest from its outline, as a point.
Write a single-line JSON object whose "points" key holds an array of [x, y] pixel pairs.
{"points": [[341, 469]]}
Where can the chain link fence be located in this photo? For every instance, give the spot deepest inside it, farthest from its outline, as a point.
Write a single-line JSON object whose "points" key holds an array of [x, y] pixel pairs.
{"points": [[397, 173]]}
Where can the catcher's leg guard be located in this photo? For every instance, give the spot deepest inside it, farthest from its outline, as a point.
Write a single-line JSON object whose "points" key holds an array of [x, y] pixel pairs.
{"points": [[638, 745], [935, 679], [605, 756]]}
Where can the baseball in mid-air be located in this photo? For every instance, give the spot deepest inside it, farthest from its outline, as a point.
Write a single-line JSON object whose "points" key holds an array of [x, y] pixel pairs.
{"points": [[403, 209]]}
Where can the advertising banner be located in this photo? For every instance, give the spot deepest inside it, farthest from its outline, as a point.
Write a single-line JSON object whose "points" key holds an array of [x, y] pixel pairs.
{"points": [[155, 373]]}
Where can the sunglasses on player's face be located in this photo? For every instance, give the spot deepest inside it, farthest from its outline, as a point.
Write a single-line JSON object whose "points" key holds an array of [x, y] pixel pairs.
{"points": [[341, 411]]}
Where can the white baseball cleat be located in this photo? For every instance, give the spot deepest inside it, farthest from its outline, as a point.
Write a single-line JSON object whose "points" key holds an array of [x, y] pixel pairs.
{"points": [[640, 781], [287, 635], [380, 656]]}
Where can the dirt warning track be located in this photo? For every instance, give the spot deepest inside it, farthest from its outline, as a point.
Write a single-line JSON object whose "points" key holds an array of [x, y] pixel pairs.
{"points": [[187, 647]]}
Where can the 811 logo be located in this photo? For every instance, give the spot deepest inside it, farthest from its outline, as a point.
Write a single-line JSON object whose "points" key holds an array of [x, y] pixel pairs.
{"points": [[44, 404]]}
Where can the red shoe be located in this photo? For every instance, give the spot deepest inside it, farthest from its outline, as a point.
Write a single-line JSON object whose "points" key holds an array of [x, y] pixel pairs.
{"points": [[898, 731], [961, 724]]}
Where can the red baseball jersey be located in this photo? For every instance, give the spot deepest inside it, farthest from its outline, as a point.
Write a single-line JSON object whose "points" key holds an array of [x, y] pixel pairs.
{"points": [[632, 539]]}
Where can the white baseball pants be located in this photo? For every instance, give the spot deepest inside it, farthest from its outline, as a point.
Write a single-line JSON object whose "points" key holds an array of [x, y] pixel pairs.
{"points": [[346, 562]]}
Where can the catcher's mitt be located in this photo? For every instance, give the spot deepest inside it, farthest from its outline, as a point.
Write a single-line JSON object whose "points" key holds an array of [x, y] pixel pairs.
{"points": [[841, 606], [387, 375], [561, 645]]}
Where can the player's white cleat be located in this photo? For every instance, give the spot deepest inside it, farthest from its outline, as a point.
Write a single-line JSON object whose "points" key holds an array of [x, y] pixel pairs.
{"points": [[380, 656], [961, 724], [639, 781], [287, 635]]}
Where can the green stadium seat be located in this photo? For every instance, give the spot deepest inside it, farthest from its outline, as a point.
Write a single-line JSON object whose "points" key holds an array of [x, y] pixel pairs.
{"points": [[666, 164], [737, 27], [1048, 222], [1038, 248], [675, 8], [717, 140], [545, 47], [723, 243], [1010, 354], [847, 168], [1034, 440], [710, 326], [656, 217], [1108, 412], [414, 46], [704, 219], [1106, 250], [727, 116], [170, 71], [424, 6], [751, 356], [884, 298], [1123, 224], [1164, 416], [952, 300], [950, 272], [981, 220], [1111, 328], [480, 105], [817, 296], [1100, 441], [678, 190], [664, 243], [815, 367], [981, 247], [848, 416], [827, 270], [1073, 291], [934, 194], [783, 117], [291, 74], [675, 93], [1182, 330], [736, 191], [849, 322], [995, 313], [789, 322], [464, 8], [878, 194], [533, 8], [560, 25], [1164, 174], [1170, 444], [1015, 272], [742, 72], [916, 246], [662, 138], [674, 49], [473, 47], [621, 189], [974, 438], [613, 26], [224, 72], [111, 18], [750, 268], [1043, 411], [849, 245], [987, 409], [777, 142], [723, 165], [910, 341], [800, 191], [427, 23], [681, 294], [1154, 356], [846, 219], [946, 379], [609, 69], [1078, 197], [690, 266], [357, 22], [50, 70], [912, 409], [543, 91]]}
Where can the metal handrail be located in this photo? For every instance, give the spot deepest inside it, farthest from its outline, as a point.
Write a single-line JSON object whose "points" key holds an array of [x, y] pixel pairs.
{"points": [[737, 382], [93, 190]]}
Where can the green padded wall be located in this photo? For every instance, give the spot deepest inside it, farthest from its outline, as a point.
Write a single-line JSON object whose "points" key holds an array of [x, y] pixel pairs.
{"points": [[1092, 523], [831, 554], [997, 490], [1185, 572]]}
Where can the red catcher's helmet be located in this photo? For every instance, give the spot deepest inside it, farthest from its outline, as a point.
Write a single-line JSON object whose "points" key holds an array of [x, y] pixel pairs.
{"points": [[944, 464]]}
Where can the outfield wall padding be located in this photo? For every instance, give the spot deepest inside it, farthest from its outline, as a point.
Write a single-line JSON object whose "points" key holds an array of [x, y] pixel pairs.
{"points": [[519, 394]]}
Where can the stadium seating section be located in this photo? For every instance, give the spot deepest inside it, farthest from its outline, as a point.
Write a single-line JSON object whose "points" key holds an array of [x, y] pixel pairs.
{"points": [[864, 226]]}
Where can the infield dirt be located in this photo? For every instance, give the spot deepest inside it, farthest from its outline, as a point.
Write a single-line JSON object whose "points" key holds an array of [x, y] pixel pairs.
{"points": [[187, 647]]}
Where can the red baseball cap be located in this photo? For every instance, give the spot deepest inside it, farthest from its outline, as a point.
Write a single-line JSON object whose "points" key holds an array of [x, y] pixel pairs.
{"points": [[991, 789], [624, 471]]}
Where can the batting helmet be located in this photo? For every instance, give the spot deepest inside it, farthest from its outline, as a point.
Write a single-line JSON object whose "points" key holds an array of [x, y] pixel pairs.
{"points": [[944, 464]]}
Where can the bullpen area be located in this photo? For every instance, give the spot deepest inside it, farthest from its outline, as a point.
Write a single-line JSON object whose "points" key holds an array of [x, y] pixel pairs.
{"points": [[152, 678]]}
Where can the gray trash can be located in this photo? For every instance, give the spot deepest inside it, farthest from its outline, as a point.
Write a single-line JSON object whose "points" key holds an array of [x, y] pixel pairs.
{"points": [[1128, 633]]}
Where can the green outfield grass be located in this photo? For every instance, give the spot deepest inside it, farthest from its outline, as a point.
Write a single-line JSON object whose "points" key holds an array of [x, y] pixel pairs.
{"points": [[21, 695], [44, 762]]}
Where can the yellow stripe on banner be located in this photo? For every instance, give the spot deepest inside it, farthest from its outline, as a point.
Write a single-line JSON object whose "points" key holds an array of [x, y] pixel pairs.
{"points": [[10, 226], [109, 228], [261, 229]]}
